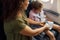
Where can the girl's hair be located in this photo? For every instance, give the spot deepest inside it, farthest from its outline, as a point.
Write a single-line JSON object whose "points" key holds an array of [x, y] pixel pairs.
{"points": [[10, 8], [36, 5]]}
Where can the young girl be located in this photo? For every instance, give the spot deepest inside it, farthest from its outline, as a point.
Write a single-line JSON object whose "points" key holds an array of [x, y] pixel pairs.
{"points": [[37, 14]]}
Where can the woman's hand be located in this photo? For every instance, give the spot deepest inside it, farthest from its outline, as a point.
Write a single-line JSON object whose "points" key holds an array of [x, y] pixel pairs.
{"points": [[46, 27]]}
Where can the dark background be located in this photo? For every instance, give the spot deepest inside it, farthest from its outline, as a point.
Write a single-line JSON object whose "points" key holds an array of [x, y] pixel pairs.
{"points": [[2, 35]]}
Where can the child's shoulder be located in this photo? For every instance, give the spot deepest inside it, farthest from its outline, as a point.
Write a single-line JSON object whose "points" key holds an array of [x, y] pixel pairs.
{"points": [[31, 12]]}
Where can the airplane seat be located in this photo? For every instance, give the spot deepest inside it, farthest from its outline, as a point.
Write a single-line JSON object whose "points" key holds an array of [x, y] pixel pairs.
{"points": [[28, 9]]}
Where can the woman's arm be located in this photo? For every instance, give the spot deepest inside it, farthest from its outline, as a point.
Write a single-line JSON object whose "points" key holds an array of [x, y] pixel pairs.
{"points": [[30, 32]]}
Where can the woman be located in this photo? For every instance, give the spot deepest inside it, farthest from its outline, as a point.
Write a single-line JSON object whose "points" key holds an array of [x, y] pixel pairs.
{"points": [[16, 26]]}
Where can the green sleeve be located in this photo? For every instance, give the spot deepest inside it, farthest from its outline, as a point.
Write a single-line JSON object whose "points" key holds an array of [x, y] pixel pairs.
{"points": [[20, 25]]}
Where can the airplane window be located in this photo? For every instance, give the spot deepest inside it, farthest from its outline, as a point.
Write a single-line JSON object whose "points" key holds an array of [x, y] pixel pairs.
{"points": [[45, 0], [52, 1], [34, 0]]}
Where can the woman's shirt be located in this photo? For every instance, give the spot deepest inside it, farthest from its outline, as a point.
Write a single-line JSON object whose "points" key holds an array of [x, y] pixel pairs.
{"points": [[12, 29]]}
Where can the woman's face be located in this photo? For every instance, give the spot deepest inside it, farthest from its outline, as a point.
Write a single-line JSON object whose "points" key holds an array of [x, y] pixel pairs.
{"points": [[26, 3]]}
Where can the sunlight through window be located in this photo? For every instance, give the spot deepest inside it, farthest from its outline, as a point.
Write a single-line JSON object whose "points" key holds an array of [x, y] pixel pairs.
{"points": [[44, 0]]}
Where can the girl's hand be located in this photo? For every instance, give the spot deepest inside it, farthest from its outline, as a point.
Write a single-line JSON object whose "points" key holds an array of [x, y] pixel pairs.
{"points": [[42, 23]]}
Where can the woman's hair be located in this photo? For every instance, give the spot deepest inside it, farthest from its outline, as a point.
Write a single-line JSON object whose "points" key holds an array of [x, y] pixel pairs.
{"points": [[10, 8], [36, 5]]}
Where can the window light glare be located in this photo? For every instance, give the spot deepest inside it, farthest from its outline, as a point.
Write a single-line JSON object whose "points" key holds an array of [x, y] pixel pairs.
{"points": [[44, 0]]}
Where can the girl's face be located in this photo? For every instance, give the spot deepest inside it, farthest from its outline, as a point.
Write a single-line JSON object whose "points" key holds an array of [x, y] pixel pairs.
{"points": [[37, 10], [25, 4]]}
